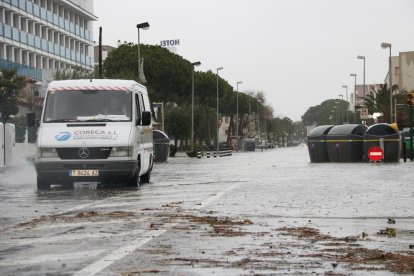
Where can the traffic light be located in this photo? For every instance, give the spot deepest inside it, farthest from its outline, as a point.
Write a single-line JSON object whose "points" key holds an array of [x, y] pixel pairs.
{"points": [[410, 98]]}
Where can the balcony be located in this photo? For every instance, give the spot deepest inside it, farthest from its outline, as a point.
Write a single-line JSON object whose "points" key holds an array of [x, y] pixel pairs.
{"points": [[24, 70]]}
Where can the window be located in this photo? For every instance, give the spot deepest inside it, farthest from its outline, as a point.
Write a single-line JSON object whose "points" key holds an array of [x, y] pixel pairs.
{"points": [[87, 105]]}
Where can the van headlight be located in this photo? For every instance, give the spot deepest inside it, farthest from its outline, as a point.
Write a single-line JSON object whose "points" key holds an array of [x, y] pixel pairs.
{"points": [[121, 151], [47, 152]]}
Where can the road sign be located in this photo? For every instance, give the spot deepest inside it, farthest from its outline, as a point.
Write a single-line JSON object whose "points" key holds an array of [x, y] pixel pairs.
{"points": [[375, 153]]}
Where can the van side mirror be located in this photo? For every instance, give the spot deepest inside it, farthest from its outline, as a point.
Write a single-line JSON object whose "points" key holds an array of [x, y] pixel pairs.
{"points": [[146, 118]]}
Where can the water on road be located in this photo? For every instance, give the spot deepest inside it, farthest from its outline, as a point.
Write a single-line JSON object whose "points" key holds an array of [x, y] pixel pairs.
{"points": [[264, 213]]}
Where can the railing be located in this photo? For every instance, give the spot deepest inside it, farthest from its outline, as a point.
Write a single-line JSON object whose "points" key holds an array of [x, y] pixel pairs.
{"points": [[43, 44], [24, 70], [50, 17]]}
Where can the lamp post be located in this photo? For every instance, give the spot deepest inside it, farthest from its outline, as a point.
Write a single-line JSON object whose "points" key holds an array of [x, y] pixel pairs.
{"points": [[258, 119], [340, 106], [237, 112], [385, 46], [197, 63], [143, 26], [363, 57], [334, 113], [347, 101], [355, 96], [218, 126]]}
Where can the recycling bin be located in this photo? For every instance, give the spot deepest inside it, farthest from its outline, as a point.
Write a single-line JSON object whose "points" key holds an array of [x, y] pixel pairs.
{"points": [[318, 151], [249, 144], [345, 143], [406, 139], [161, 146], [386, 137]]}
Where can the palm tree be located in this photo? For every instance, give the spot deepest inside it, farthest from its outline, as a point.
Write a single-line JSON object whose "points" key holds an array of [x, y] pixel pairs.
{"points": [[378, 100]]}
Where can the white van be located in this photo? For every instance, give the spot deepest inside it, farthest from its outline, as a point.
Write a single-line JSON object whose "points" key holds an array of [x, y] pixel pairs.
{"points": [[94, 131]]}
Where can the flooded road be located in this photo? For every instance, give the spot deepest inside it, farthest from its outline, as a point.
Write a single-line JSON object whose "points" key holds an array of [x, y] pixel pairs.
{"points": [[252, 213]]}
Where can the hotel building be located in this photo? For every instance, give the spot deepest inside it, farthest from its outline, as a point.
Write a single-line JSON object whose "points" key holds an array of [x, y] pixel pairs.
{"points": [[40, 36]]}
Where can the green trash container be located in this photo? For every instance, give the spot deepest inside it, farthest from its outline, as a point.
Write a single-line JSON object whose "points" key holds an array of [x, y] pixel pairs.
{"points": [[161, 146], [386, 137], [318, 151], [345, 143], [405, 137]]}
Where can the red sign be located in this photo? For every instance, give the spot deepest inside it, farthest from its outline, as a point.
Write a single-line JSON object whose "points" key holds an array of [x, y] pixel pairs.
{"points": [[375, 153]]}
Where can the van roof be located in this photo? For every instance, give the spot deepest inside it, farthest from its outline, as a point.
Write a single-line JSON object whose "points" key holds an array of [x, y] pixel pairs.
{"points": [[94, 84]]}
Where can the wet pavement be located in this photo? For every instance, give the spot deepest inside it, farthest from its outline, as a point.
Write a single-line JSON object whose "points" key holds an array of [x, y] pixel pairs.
{"points": [[253, 213]]}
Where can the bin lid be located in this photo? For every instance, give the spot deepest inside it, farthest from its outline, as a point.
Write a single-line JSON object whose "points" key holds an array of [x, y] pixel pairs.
{"points": [[160, 136], [351, 129], [381, 129], [320, 130]]}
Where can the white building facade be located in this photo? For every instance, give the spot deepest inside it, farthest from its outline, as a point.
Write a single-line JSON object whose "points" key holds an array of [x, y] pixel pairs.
{"points": [[40, 36], [402, 69]]}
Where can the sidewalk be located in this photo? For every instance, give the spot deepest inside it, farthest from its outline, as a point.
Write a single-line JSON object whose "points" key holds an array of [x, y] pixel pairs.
{"points": [[22, 155]]}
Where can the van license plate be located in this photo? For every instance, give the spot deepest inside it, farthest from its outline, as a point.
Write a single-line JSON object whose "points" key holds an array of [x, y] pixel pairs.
{"points": [[83, 173]]}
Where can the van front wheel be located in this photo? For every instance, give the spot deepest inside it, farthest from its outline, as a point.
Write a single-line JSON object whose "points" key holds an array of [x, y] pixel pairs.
{"points": [[145, 178], [134, 181]]}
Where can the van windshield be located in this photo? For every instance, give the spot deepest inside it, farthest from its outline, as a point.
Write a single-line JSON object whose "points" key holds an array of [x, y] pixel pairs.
{"points": [[88, 106]]}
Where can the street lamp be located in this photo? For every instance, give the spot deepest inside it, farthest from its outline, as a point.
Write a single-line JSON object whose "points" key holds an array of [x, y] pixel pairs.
{"points": [[363, 57], [355, 96], [144, 26], [197, 63], [218, 126], [237, 112], [335, 113], [385, 46], [346, 89], [340, 106]]}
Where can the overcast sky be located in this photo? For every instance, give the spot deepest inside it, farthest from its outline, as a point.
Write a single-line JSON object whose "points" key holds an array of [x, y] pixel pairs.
{"points": [[298, 52]]}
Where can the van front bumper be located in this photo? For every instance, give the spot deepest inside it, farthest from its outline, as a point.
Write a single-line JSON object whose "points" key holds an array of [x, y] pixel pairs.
{"points": [[108, 171]]}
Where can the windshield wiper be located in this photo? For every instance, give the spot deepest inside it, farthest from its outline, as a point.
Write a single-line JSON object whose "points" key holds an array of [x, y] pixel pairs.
{"points": [[94, 118], [97, 120], [102, 118], [60, 120]]}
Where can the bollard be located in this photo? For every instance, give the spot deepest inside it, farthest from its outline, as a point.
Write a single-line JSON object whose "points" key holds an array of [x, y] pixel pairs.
{"points": [[404, 152], [199, 154], [208, 154], [215, 154]]}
